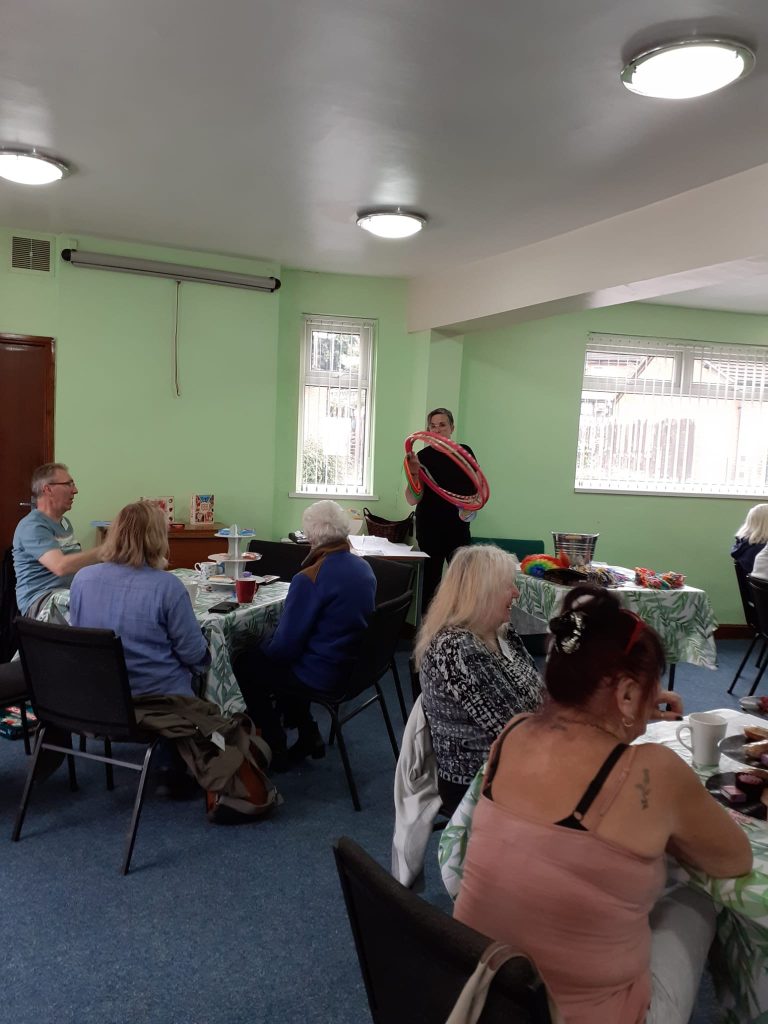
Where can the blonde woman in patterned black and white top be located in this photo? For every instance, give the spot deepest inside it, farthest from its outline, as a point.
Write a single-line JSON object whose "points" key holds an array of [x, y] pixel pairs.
{"points": [[475, 673]]}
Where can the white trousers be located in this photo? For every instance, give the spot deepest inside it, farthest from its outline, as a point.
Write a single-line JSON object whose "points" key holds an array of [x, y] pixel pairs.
{"points": [[683, 928]]}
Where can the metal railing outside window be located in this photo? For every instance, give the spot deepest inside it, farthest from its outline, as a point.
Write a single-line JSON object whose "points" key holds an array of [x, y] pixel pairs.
{"points": [[662, 416]]}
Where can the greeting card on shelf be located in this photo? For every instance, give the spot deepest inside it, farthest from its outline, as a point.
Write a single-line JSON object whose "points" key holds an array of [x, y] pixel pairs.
{"points": [[201, 509], [166, 504]]}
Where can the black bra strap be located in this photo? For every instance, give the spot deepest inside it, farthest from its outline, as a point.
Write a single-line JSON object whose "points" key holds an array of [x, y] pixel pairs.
{"points": [[597, 783], [490, 771]]}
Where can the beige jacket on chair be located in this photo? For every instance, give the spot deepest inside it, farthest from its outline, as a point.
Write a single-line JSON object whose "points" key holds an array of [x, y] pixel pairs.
{"points": [[417, 800]]}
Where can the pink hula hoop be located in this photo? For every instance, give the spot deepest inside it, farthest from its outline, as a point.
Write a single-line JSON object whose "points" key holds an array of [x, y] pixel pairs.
{"points": [[461, 457]]}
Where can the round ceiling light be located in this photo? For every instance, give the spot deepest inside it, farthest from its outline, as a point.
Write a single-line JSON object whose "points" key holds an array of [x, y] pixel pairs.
{"points": [[29, 167], [688, 68], [391, 222]]}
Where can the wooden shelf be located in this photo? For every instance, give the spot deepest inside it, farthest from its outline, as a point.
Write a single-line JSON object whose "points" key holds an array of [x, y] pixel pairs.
{"points": [[190, 545]]}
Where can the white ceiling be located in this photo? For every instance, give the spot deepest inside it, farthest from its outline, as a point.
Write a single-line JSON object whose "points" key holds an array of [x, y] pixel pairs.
{"points": [[747, 296], [258, 129]]}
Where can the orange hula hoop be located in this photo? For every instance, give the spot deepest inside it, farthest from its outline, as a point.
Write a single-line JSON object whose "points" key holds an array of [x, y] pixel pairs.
{"points": [[458, 455]]}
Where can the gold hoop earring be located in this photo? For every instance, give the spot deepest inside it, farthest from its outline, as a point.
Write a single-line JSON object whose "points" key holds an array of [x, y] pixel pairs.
{"points": [[628, 722]]}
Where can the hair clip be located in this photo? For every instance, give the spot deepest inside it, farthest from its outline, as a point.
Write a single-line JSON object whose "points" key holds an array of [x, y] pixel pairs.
{"points": [[572, 642], [636, 631]]}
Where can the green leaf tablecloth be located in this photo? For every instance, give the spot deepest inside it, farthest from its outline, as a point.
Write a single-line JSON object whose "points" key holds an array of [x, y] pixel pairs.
{"points": [[229, 634], [739, 957], [683, 618], [226, 634]]}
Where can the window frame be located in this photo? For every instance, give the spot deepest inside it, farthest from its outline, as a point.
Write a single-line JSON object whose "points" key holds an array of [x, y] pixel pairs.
{"points": [[685, 353], [367, 329]]}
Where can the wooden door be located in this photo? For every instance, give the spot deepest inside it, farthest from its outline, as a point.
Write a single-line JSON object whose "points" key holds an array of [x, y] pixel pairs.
{"points": [[26, 422]]}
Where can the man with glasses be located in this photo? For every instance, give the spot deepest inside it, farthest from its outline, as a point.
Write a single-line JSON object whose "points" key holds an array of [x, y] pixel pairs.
{"points": [[46, 554]]}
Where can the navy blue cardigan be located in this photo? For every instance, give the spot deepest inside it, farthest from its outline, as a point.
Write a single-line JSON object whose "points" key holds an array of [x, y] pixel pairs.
{"points": [[326, 610], [745, 553]]}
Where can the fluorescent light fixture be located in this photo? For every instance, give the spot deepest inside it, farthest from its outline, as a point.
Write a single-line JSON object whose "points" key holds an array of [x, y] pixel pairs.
{"points": [[391, 222], [173, 271], [687, 68], [30, 167]]}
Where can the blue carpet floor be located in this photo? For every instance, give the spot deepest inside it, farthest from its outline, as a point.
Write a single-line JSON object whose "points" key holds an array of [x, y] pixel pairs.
{"points": [[213, 924]]}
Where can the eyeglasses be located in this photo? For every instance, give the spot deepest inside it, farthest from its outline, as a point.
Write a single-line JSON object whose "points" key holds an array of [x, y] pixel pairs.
{"points": [[61, 483]]}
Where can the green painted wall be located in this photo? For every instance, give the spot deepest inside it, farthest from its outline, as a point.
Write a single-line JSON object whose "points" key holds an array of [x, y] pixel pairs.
{"points": [[233, 429], [520, 412], [444, 382], [402, 368], [118, 422]]}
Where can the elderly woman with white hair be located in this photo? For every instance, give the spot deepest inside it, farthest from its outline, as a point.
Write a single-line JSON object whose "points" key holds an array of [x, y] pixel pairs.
{"points": [[475, 672], [326, 610]]}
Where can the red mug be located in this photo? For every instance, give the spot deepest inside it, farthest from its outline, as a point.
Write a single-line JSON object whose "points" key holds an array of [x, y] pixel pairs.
{"points": [[244, 590]]}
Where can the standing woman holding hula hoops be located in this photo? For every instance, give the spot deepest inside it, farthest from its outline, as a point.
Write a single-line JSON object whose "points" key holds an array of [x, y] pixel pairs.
{"points": [[441, 527]]}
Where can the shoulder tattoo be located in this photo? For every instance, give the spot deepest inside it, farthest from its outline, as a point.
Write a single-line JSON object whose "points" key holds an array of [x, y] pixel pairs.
{"points": [[644, 789]]}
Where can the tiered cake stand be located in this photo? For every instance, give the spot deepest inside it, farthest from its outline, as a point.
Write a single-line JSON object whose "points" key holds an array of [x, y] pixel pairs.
{"points": [[236, 559]]}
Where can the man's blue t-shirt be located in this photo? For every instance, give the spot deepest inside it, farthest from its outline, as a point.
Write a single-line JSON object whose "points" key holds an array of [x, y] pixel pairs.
{"points": [[36, 534]]}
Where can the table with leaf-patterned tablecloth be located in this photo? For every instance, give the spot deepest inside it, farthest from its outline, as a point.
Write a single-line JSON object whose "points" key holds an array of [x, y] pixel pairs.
{"points": [[229, 634], [226, 634], [683, 618], [739, 958]]}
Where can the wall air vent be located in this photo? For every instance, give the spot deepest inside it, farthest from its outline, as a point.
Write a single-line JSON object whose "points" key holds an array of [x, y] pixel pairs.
{"points": [[31, 254]]}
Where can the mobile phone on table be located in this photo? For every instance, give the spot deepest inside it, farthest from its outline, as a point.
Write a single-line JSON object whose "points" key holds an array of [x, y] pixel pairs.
{"points": [[224, 606]]}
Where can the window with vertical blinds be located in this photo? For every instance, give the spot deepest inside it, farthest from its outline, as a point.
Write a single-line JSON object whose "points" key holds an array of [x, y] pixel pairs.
{"points": [[334, 450], [661, 416]]}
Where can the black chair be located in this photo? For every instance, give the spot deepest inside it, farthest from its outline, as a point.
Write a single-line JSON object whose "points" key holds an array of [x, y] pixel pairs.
{"points": [[513, 545], [750, 615], [278, 559], [8, 608], [758, 589], [373, 661], [15, 692], [415, 959], [78, 683], [393, 578]]}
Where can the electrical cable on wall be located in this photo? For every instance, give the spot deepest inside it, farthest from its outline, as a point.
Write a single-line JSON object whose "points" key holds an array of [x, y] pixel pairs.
{"points": [[176, 387]]}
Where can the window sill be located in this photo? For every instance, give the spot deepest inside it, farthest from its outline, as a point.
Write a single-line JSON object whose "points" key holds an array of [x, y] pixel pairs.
{"points": [[668, 494], [344, 497]]}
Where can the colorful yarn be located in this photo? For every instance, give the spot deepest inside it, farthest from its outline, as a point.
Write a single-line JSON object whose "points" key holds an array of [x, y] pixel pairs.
{"points": [[659, 580], [537, 565]]}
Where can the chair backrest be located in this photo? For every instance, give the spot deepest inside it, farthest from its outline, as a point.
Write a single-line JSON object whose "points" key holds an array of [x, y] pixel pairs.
{"points": [[378, 644], [415, 959], [278, 559], [515, 546], [758, 589], [747, 598], [77, 678], [393, 578], [8, 609]]}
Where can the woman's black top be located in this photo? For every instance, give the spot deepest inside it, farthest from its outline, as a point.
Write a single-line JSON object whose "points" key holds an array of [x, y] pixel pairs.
{"points": [[436, 517]]}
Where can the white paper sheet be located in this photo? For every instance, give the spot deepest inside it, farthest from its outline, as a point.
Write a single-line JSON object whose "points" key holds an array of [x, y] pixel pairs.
{"points": [[365, 545]]}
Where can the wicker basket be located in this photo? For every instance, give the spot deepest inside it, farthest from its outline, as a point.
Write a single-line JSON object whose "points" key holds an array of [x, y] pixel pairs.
{"points": [[579, 547], [395, 532]]}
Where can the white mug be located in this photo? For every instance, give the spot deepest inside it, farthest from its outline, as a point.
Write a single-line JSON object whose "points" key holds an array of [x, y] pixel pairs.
{"points": [[207, 569], [706, 731], [192, 587]]}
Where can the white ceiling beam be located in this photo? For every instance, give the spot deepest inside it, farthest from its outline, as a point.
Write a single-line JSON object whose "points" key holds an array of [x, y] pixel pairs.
{"points": [[690, 240]]}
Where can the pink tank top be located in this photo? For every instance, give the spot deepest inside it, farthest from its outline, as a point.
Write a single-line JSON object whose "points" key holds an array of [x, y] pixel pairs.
{"points": [[576, 904]]}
